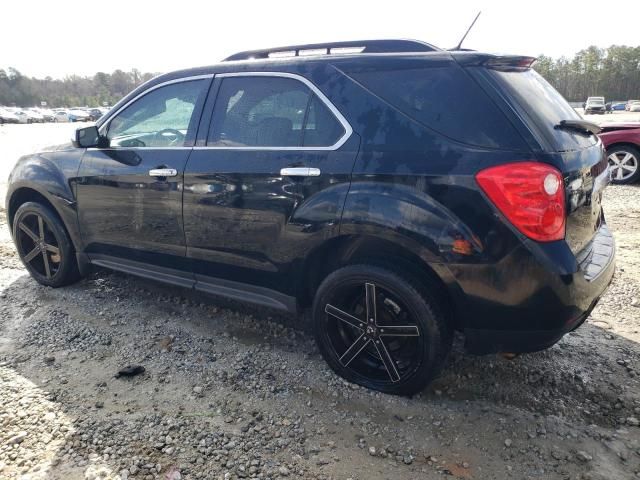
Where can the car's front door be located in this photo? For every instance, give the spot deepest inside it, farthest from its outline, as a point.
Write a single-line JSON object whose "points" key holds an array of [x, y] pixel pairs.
{"points": [[252, 207], [130, 193]]}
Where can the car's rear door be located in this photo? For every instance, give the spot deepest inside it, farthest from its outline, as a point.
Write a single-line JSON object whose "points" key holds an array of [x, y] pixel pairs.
{"points": [[265, 183], [130, 193]]}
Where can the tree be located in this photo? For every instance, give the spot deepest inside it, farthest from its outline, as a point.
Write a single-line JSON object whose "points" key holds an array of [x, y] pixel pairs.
{"points": [[19, 90], [613, 73]]}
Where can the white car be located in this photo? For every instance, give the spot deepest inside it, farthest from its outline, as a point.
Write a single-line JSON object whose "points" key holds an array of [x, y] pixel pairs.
{"points": [[60, 116], [7, 116], [634, 106], [46, 113], [594, 105], [27, 116]]}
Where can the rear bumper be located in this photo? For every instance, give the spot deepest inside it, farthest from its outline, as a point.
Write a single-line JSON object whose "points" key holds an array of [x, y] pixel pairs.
{"points": [[531, 299]]}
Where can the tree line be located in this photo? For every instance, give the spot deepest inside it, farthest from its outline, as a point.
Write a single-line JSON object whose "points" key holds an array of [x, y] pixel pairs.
{"points": [[613, 73], [73, 91]]}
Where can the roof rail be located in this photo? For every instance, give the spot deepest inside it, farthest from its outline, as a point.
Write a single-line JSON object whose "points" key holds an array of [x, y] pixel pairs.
{"points": [[358, 46]]}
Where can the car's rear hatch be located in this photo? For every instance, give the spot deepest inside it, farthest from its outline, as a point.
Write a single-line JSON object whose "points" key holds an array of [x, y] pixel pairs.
{"points": [[556, 133]]}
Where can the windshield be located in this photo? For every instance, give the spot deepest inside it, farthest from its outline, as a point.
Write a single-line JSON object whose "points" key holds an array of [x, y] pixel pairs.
{"points": [[543, 108], [595, 101]]}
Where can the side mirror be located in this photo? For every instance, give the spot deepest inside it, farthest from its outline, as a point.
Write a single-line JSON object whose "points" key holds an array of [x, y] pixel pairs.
{"points": [[88, 137]]}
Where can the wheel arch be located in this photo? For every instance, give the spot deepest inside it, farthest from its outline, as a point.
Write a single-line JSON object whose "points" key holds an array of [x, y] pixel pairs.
{"points": [[26, 194], [635, 146], [345, 250]]}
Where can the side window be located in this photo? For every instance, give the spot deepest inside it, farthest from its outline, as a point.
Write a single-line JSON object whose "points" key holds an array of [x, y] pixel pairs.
{"points": [[322, 127], [161, 118], [274, 111], [447, 100]]}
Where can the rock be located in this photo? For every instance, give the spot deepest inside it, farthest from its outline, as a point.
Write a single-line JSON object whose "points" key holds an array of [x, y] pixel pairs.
{"points": [[197, 390], [130, 371], [283, 471], [508, 442], [16, 439], [633, 421], [372, 451], [583, 456]]}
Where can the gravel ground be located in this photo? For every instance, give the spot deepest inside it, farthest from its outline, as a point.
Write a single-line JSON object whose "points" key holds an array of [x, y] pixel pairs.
{"points": [[229, 392]]}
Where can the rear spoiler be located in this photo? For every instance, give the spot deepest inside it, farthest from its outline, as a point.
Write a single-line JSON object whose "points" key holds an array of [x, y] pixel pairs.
{"points": [[496, 62]]}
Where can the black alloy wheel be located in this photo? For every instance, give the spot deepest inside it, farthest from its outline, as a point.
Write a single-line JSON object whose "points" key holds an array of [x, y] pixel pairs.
{"points": [[44, 246], [379, 329]]}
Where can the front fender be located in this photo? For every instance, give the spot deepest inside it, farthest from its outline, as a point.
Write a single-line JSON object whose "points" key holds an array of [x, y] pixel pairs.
{"points": [[51, 175]]}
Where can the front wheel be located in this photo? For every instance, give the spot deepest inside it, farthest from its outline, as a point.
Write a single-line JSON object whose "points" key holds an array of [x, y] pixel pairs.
{"points": [[380, 329], [44, 245], [624, 163]]}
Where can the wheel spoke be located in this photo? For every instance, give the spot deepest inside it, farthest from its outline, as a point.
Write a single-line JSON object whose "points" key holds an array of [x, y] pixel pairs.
{"points": [[31, 255], [52, 249], [354, 350], [626, 158], [29, 232], [614, 159], [619, 174], [399, 331], [41, 227], [628, 168], [343, 316], [370, 293], [388, 362], [45, 259]]}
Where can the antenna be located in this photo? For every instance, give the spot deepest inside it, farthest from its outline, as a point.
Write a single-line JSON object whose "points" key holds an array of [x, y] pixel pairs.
{"points": [[467, 32]]}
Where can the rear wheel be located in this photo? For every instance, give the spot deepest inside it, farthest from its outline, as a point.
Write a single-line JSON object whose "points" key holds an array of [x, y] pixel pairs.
{"points": [[624, 162], [44, 246], [379, 329]]}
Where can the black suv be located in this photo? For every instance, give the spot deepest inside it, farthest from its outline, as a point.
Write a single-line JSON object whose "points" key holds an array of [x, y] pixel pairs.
{"points": [[397, 191]]}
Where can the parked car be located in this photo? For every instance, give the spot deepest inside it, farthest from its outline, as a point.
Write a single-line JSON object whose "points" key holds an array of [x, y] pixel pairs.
{"points": [[95, 113], [395, 202], [622, 141], [594, 105], [8, 117], [60, 116], [627, 107], [617, 106], [77, 115], [47, 114], [633, 106], [28, 116]]}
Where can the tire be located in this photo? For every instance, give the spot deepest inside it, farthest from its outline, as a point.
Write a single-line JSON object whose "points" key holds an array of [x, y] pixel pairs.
{"points": [[44, 245], [409, 329], [621, 159]]}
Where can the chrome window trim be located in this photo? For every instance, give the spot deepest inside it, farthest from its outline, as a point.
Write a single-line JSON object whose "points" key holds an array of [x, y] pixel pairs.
{"points": [[105, 126], [336, 113]]}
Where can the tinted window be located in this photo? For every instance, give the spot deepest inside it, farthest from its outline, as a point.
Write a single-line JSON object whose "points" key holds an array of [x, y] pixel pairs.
{"points": [[321, 128], [446, 100], [160, 118], [271, 112], [544, 106]]}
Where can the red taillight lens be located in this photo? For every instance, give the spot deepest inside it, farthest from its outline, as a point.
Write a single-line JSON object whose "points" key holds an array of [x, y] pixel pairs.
{"points": [[530, 195]]}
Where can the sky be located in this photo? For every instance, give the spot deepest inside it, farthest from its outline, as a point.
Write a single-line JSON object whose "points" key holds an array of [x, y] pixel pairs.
{"points": [[63, 37]]}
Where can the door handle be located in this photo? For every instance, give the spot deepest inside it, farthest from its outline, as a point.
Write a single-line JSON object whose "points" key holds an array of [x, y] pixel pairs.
{"points": [[300, 172], [163, 172]]}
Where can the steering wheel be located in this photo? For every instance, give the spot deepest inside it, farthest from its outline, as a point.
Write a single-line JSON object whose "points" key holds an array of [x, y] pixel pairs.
{"points": [[166, 133]]}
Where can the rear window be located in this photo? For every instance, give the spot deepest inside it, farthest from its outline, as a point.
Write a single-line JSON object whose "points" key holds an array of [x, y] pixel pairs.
{"points": [[447, 100], [544, 108]]}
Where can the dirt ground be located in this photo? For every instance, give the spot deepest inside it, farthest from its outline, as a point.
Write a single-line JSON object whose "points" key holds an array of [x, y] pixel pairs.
{"points": [[231, 393]]}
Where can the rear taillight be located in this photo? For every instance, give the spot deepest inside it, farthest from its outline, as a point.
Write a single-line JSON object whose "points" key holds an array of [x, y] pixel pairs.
{"points": [[530, 195]]}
